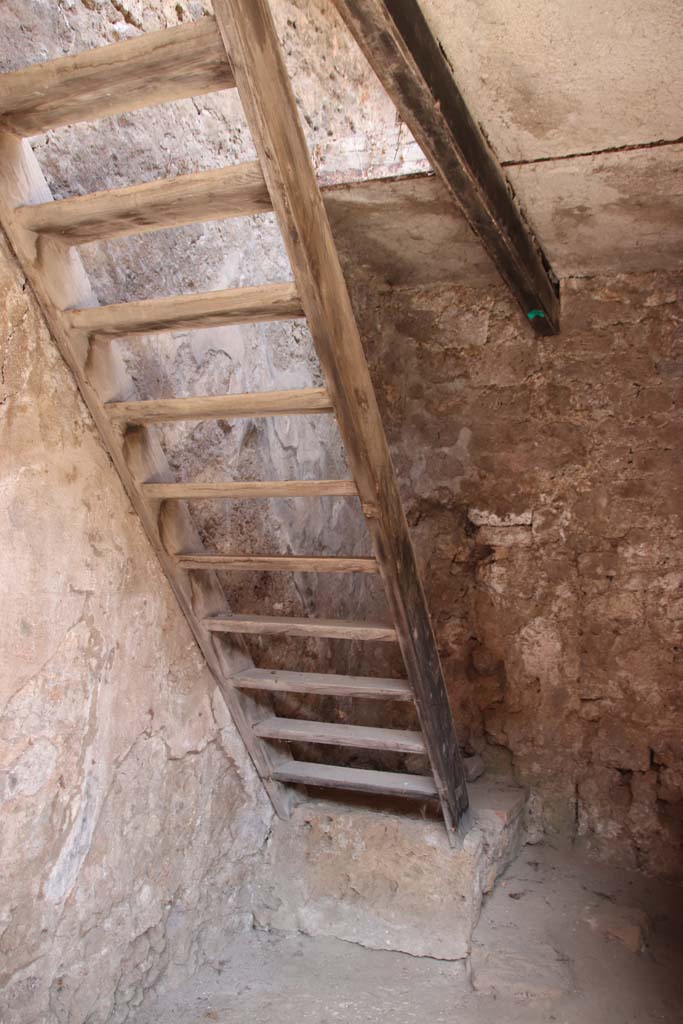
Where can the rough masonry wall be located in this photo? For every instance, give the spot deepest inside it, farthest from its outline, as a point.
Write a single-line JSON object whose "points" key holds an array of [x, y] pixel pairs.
{"points": [[543, 482], [132, 819]]}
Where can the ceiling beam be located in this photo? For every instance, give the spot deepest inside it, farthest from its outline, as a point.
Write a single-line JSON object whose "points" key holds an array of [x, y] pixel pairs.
{"points": [[408, 60]]}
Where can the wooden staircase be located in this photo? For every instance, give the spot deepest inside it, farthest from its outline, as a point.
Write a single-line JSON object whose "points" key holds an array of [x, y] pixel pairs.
{"points": [[237, 49]]}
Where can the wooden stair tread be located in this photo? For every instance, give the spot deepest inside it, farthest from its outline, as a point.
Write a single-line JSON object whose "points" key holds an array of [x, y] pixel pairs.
{"points": [[295, 730], [277, 563], [205, 309], [290, 625], [265, 403], [153, 68], [251, 489], [362, 780], [278, 680], [237, 191]]}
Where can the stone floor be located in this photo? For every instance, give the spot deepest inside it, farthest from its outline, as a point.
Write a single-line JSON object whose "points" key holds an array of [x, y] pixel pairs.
{"points": [[561, 939]]}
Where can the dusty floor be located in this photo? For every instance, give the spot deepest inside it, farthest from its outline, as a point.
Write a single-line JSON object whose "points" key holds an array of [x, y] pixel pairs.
{"points": [[561, 940]]}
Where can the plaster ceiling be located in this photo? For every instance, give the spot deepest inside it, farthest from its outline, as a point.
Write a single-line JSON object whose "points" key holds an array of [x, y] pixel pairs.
{"points": [[553, 77], [581, 101], [613, 213], [620, 215]]}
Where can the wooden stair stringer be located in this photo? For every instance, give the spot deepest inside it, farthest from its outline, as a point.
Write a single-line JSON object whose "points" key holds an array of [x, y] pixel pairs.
{"points": [[58, 280], [253, 50]]}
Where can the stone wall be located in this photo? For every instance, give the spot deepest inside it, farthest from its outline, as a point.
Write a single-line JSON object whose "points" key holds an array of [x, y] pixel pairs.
{"points": [[543, 482], [132, 819]]}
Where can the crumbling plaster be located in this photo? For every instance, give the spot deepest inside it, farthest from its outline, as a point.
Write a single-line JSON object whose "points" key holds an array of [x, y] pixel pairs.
{"points": [[132, 818]]}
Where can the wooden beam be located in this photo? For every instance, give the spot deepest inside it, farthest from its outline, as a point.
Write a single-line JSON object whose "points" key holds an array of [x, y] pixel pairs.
{"points": [[205, 309], [58, 278], [251, 489], [153, 68], [408, 60], [266, 94], [237, 191], [304, 401], [328, 685], [363, 737], [304, 773], [290, 625], [277, 563]]}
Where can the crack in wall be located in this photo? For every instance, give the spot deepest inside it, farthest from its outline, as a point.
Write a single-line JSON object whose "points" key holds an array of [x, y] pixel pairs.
{"points": [[627, 148]]}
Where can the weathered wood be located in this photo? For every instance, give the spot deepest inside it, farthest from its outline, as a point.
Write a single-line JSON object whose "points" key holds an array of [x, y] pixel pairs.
{"points": [[266, 403], [361, 780], [153, 68], [234, 191], [252, 489], [58, 279], [237, 191], [205, 309], [265, 91], [398, 43], [286, 625], [280, 681], [278, 563], [363, 737]]}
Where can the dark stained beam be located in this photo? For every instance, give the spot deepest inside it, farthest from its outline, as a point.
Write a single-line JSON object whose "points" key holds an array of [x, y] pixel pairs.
{"points": [[400, 46]]}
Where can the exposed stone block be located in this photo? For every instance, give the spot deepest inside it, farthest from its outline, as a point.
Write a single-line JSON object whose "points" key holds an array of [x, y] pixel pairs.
{"points": [[385, 880]]}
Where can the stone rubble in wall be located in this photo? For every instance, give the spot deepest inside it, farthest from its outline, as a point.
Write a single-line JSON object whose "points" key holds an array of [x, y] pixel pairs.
{"points": [[550, 544]]}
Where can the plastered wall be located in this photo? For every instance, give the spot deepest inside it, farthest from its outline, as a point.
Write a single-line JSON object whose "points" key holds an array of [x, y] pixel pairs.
{"points": [[132, 820]]}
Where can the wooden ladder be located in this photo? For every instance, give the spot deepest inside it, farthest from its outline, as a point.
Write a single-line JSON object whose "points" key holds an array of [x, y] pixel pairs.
{"points": [[238, 48]]}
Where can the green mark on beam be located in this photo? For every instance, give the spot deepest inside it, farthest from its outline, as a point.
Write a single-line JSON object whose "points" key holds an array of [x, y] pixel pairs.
{"points": [[533, 313]]}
